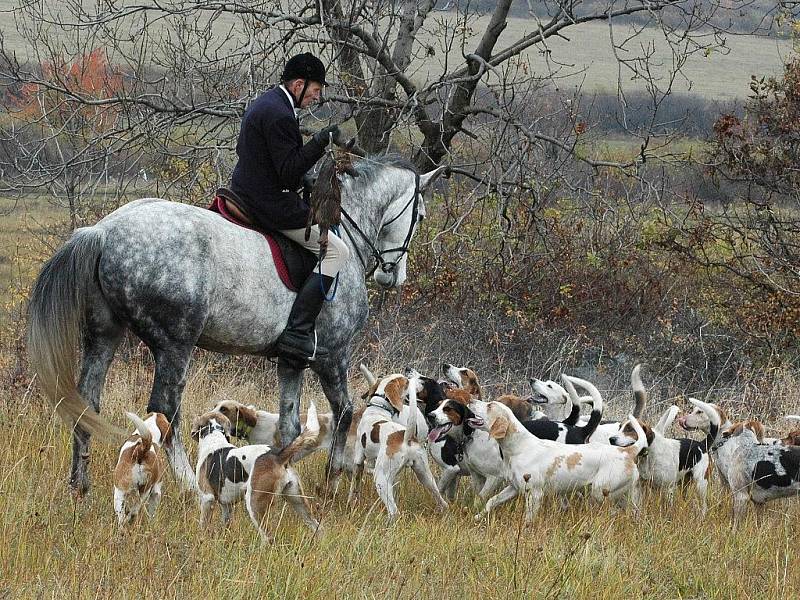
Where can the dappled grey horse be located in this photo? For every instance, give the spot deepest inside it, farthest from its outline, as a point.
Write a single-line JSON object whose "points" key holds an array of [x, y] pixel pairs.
{"points": [[179, 276]]}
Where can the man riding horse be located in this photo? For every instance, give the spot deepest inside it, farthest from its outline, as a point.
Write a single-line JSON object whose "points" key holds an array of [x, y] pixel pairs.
{"points": [[267, 182]]}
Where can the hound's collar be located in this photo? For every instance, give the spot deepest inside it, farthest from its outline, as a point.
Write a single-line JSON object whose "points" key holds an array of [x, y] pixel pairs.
{"points": [[210, 428], [383, 403], [719, 443]]}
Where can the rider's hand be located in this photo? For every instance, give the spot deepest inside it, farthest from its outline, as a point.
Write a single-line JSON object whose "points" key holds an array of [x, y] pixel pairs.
{"points": [[323, 136], [309, 179]]}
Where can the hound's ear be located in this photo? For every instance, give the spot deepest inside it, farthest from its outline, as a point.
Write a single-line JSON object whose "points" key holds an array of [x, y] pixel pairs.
{"points": [[758, 429], [164, 427], [395, 391], [648, 432], [733, 430], [427, 179], [459, 395], [499, 428], [225, 422], [197, 423]]}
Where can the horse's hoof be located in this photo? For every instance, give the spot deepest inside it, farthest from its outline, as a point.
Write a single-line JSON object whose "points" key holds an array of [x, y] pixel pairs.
{"points": [[79, 489]]}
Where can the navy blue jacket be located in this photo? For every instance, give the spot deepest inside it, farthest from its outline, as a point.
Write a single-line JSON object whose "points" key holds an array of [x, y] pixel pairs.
{"points": [[272, 162]]}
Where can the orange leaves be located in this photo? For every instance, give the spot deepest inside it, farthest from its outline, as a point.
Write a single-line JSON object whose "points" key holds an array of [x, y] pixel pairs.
{"points": [[87, 79]]}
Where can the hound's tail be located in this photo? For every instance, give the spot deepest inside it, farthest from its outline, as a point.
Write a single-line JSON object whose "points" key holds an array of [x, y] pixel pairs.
{"points": [[142, 448], [575, 411], [305, 441], [410, 432], [666, 420], [371, 379], [639, 393], [597, 403], [56, 320]]}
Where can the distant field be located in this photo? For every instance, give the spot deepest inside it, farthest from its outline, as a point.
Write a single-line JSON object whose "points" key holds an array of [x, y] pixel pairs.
{"points": [[586, 58]]}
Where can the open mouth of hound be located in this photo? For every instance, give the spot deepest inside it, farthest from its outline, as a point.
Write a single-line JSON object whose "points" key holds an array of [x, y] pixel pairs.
{"points": [[685, 426], [437, 433], [539, 399], [475, 422]]}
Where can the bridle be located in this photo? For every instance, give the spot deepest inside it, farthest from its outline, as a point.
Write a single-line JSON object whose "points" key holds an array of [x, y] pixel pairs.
{"points": [[387, 266]]}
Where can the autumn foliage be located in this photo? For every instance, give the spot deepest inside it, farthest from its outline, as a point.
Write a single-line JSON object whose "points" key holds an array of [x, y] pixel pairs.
{"points": [[73, 91]]}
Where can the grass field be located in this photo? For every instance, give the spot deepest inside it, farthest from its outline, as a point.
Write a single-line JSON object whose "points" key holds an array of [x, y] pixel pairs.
{"points": [[55, 548]]}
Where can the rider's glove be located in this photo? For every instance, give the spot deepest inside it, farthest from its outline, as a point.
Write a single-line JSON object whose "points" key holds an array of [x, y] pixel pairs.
{"points": [[323, 136]]}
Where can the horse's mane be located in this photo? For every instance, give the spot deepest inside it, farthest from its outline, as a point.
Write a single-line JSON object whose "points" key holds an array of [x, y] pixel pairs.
{"points": [[370, 167]]}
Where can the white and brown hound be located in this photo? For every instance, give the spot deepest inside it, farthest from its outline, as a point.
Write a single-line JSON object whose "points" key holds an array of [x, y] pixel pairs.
{"points": [[388, 446], [535, 465], [140, 468], [272, 477]]}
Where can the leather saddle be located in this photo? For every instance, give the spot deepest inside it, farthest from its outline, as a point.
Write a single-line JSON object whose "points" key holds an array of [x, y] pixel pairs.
{"points": [[293, 262]]}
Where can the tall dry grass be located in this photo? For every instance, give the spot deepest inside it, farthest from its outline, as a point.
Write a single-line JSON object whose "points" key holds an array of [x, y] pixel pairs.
{"points": [[54, 547]]}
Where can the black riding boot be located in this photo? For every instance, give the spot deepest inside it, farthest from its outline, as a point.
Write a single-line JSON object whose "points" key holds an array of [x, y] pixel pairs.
{"points": [[297, 344]]}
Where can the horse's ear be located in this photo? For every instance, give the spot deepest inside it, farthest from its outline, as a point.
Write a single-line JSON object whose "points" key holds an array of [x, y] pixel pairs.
{"points": [[427, 179]]}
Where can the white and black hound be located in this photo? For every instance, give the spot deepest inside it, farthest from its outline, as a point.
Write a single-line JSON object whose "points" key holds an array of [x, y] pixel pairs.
{"points": [[668, 461], [560, 431], [752, 470]]}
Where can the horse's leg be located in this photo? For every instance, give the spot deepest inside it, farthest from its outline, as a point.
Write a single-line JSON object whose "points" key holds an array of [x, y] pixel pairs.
{"points": [[172, 365], [290, 383], [333, 378], [100, 341]]}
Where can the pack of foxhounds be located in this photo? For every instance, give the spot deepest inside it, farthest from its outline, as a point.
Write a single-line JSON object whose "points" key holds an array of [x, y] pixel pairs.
{"points": [[506, 447]]}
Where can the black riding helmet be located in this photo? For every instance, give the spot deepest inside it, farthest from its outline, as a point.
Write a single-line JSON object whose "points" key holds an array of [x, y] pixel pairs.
{"points": [[304, 66]]}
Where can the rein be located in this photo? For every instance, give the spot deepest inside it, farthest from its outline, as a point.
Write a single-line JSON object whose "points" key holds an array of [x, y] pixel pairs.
{"points": [[385, 265]]}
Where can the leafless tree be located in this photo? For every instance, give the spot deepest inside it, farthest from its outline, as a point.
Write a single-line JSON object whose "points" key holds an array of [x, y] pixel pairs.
{"points": [[437, 84]]}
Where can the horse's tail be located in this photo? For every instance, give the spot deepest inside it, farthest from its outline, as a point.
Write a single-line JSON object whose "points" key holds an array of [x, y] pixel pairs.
{"points": [[56, 319]]}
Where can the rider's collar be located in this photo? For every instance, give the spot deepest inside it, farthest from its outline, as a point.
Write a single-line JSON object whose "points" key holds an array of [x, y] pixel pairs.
{"points": [[292, 101]]}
